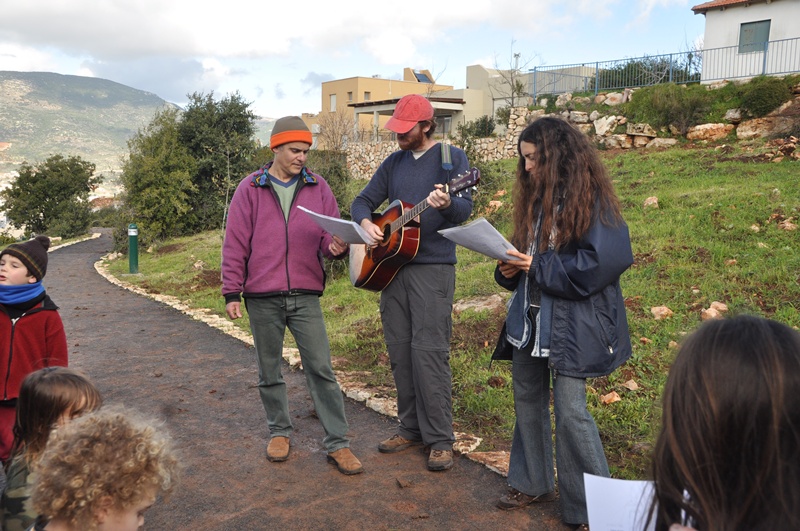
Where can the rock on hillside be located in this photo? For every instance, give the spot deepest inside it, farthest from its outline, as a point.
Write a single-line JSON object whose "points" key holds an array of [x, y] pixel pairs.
{"points": [[42, 114]]}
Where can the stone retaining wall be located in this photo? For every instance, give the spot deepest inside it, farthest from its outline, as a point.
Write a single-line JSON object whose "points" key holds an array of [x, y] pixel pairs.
{"points": [[364, 158]]}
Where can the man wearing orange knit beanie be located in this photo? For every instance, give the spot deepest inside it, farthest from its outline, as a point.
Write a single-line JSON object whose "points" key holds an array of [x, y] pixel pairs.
{"points": [[272, 256]]}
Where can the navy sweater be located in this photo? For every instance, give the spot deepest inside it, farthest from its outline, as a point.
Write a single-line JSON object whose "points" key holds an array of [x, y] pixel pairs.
{"points": [[403, 177]]}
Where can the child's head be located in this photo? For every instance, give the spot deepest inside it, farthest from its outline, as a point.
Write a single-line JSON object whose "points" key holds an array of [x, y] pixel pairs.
{"points": [[48, 398], [728, 455], [104, 469], [24, 263]]}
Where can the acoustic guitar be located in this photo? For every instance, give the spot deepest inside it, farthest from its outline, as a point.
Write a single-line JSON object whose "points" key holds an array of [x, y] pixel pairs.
{"points": [[373, 268]]}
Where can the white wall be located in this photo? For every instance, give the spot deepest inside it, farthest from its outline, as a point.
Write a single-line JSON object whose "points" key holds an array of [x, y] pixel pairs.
{"points": [[722, 30], [722, 27]]}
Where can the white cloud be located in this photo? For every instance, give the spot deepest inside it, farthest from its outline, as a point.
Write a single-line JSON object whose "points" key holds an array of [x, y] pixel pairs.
{"points": [[21, 58], [275, 52]]}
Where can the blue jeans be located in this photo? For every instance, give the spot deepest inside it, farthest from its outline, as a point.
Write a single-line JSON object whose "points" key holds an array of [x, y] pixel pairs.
{"points": [[302, 314], [578, 446]]}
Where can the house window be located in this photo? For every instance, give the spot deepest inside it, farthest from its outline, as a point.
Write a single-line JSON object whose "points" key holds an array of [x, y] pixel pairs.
{"points": [[333, 103], [753, 35], [349, 96], [367, 96]]}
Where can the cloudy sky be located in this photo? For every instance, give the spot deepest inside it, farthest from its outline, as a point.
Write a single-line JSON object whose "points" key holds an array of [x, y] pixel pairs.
{"points": [[276, 54]]}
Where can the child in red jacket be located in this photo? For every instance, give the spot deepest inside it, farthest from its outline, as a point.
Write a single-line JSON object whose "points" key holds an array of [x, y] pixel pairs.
{"points": [[31, 332]]}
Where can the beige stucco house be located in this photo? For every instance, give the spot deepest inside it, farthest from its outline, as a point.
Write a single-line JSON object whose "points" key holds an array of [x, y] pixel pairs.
{"points": [[344, 96], [369, 102]]}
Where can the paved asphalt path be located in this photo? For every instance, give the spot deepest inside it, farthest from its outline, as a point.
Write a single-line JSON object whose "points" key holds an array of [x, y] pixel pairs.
{"points": [[201, 382]]}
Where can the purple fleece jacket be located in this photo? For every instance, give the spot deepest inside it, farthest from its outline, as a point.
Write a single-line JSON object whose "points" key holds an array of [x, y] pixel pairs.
{"points": [[263, 254]]}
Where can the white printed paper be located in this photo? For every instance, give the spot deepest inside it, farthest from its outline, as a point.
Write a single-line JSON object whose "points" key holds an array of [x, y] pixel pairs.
{"points": [[617, 504], [480, 236], [348, 231]]}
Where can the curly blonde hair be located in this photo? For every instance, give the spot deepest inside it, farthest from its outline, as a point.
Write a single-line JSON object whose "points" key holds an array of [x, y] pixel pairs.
{"points": [[110, 454]]}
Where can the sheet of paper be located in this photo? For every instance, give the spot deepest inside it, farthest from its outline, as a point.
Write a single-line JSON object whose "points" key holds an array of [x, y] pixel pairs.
{"points": [[617, 504], [348, 231], [480, 236]]}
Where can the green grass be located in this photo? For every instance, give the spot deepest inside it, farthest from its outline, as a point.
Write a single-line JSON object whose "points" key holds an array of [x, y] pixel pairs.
{"points": [[697, 247]]}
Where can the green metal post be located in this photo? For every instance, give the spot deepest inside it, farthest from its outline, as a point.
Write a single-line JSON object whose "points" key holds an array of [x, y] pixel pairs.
{"points": [[133, 248]]}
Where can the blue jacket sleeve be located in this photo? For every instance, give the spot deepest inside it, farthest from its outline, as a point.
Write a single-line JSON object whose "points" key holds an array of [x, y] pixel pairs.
{"points": [[508, 283], [584, 268]]}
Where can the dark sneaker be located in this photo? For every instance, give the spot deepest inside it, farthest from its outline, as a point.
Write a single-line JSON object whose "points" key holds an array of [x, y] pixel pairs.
{"points": [[396, 443], [440, 460], [345, 461], [517, 500], [278, 449]]}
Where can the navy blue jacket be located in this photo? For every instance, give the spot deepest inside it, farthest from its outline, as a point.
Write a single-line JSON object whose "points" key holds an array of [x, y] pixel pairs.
{"points": [[588, 336]]}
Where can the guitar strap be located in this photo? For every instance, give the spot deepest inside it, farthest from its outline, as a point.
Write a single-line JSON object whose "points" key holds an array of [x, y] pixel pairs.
{"points": [[447, 158]]}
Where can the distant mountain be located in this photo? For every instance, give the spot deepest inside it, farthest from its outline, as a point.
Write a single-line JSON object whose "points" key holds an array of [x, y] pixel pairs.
{"points": [[42, 114]]}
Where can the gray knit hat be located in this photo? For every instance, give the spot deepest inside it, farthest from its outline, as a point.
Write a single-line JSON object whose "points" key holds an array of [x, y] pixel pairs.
{"points": [[32, 253]]}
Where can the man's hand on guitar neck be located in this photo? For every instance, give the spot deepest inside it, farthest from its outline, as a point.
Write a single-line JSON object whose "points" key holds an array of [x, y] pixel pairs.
{"points": [[373, 231], [439, 199]]}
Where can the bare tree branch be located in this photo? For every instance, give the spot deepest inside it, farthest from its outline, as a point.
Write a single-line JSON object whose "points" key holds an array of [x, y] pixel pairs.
{"points": [[509, 86], [335, 129]]}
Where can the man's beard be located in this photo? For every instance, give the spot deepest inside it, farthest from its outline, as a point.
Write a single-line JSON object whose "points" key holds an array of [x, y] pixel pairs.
{"points": [[410, 141]]}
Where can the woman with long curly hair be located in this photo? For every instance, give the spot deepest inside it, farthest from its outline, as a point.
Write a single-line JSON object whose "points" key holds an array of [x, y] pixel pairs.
{"points": [[566, 318], [728, 455]]}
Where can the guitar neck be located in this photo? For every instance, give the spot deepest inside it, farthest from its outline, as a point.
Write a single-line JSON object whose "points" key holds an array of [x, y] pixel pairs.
{"points": [[455, 186], [408, 215]]}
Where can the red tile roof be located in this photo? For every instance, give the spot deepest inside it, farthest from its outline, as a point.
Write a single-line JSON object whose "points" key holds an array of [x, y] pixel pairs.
{"points": [[702, 8]]}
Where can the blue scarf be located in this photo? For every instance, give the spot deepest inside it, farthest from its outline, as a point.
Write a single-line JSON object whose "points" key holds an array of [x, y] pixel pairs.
{"points": [[20, 293]]}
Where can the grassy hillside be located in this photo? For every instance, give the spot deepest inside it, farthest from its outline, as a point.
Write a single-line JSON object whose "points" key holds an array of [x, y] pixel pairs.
{"points": [[44, 113], [722, 231]]}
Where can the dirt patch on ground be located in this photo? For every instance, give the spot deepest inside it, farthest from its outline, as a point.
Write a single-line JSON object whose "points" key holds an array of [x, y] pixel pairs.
{"points": [[207, 278], [170, 248]]}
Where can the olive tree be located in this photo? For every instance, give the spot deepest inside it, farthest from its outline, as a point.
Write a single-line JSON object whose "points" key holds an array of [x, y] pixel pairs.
{"points": [[52, 197]]}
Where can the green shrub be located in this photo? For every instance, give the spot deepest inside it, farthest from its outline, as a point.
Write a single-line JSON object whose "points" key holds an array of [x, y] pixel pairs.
{"points": [[547, 102], [503, 114], [332, 165], [73, 220], [723, 99], [482, 127], [763, 95], [669, 104], [105, 217], [261, 157], [494, 177], [469, 132]]}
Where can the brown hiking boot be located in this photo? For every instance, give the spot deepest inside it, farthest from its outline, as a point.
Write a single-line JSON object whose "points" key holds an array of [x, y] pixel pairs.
{"points": [[517, 500], [345, 461], [396, 443], [440, 460], [278, 449]]}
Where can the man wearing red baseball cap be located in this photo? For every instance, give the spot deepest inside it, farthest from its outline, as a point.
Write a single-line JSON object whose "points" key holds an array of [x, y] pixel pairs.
{"points": [[417, 303]]}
